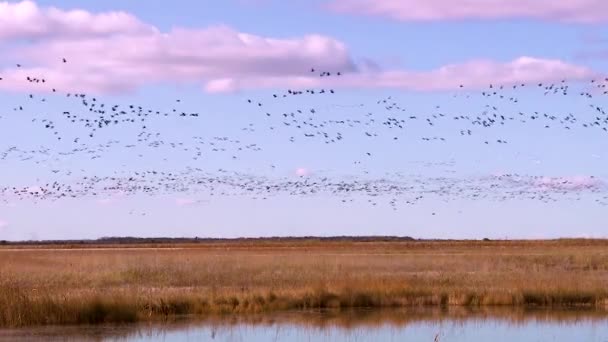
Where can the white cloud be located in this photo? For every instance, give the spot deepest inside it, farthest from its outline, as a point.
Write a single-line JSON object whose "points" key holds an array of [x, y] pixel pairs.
{"points": [[572, 11], [25, 20], [117, 52]]}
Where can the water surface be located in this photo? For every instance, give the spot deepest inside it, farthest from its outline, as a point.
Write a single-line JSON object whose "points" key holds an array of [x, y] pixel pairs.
{"points": [[455, 325]]}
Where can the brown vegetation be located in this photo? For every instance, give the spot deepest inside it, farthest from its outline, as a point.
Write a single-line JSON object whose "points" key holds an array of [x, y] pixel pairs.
{"points": [[72, 284]]}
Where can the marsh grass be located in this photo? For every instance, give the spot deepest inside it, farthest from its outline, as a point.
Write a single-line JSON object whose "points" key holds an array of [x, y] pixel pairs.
{"points": [[108, 285]]}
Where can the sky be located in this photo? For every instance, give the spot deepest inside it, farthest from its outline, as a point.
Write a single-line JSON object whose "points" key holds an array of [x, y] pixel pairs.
{"points": [[430, 57]]}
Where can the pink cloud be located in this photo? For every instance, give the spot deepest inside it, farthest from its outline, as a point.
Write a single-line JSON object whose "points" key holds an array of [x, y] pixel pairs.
{"points": [[568, 183], [213, 57], [185, 202], [182, 202], [573, 11], [105, 201], [114, 52], [556, 184], [303, 172], [3, 224], [25, 20], [111, 199], [34, 189], [472, 74]]}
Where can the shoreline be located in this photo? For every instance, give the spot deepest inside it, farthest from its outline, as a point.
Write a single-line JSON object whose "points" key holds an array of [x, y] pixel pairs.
{"points": [[319, 320], [123, 285], [119, 308]]}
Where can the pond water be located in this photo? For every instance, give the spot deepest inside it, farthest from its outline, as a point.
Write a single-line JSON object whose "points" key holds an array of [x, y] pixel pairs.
{"points": [[360, 325]]}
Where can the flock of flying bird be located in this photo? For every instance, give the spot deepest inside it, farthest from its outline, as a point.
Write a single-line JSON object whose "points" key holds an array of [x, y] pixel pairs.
{"points": [[386, 118]]}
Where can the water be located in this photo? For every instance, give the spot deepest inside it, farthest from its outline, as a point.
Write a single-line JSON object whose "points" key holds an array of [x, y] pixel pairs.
{"points": [[378, 326]]}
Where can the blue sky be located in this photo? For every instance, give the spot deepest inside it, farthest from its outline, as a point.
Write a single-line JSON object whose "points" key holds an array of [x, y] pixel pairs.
{"points": [[405, 53]]}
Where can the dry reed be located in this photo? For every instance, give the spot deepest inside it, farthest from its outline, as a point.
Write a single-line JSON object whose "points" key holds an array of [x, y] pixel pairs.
{"points": [[71, 285]]}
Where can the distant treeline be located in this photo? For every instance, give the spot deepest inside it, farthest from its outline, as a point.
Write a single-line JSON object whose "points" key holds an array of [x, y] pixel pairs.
{"points": [[167, 240]]}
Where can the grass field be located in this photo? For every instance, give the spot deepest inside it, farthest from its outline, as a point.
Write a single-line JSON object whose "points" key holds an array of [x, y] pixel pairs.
{"points": [[72, 284]]}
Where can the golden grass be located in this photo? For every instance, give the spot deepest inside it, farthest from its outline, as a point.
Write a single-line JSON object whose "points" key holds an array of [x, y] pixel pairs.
{"points": [[101, 284]]}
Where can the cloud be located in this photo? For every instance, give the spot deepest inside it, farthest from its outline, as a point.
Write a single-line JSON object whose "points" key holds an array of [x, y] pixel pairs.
{"points": [[570, 11], [114, 52], [213, 56], [25, 20], [3, 224], [111, 198], [34, 189], [105, 201], [551, 184], [185, 202], [303, 172], [569, 183], [182, 202], [472, 74]]}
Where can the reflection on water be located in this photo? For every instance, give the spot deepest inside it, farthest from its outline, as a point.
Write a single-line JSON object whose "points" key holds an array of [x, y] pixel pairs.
{"points": [[494, 325]]}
